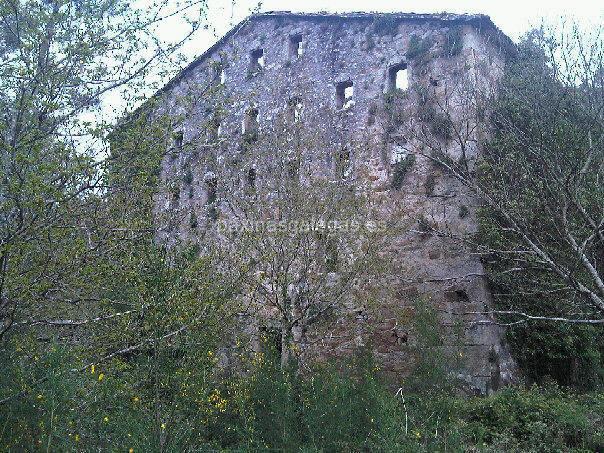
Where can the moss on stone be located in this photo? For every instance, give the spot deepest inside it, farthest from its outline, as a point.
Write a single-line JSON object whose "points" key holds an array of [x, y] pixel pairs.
{"points": [[401, 168], [419, 48]]}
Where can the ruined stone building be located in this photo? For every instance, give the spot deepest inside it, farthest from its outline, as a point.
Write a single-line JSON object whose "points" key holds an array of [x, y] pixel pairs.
{"points": [[380, 92]]}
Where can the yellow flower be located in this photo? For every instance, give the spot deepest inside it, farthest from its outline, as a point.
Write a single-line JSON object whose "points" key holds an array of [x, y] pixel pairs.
{"points": [[210, 353], [92, 369], [40, 397], [163, 426], [77, 437], [101, 376], [106, 419], [136, 399], [131, 450]]}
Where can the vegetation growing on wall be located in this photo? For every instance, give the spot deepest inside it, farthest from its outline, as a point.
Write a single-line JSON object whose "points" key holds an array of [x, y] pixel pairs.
{"points": [[385, 26], [400, 170], [453, 44], [419, 48], [430, 111], [463, 211]]}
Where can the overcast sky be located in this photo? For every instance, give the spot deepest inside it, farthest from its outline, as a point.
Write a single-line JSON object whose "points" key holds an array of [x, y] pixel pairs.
{"points": [[514, 17]]}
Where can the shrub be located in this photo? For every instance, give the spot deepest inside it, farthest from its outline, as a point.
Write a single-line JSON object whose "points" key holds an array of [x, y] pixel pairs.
{"points": [[532, 419], [425, 226], [430, 184], [334, 406], [440, 123], [395, 109]]}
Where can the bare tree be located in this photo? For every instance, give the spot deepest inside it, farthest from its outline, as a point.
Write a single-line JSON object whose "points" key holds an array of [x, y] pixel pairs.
{"points": [[528, 142], [306, 231]]}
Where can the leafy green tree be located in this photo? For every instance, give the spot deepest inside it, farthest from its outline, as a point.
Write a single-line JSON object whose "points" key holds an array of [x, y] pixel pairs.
{"points": [[58, 61], [86, 295], [543, 224]]}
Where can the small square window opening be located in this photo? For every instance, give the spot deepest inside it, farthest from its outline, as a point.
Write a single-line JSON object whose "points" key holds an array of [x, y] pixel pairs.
{"points": [[344, 95], [296, 46], [257, 60], [398, 77], [250, 121]]}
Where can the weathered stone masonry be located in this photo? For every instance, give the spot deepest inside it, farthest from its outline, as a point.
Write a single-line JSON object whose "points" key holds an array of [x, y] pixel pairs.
{"points": [[336, 69]]}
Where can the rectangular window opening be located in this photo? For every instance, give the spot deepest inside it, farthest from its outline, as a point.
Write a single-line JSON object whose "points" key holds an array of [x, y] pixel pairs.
{"points": [[250, 122], [344, 95], [398, 154], [257, 60], [293, 168], [343, 164], [295, 110], [251, 178], [212, 197], [250, 127], [215, 128], [398, 77], [296, 46]]}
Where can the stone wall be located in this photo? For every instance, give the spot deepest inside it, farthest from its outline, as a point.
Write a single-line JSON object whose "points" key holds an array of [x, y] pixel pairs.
{"points": [[226, 88]]}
